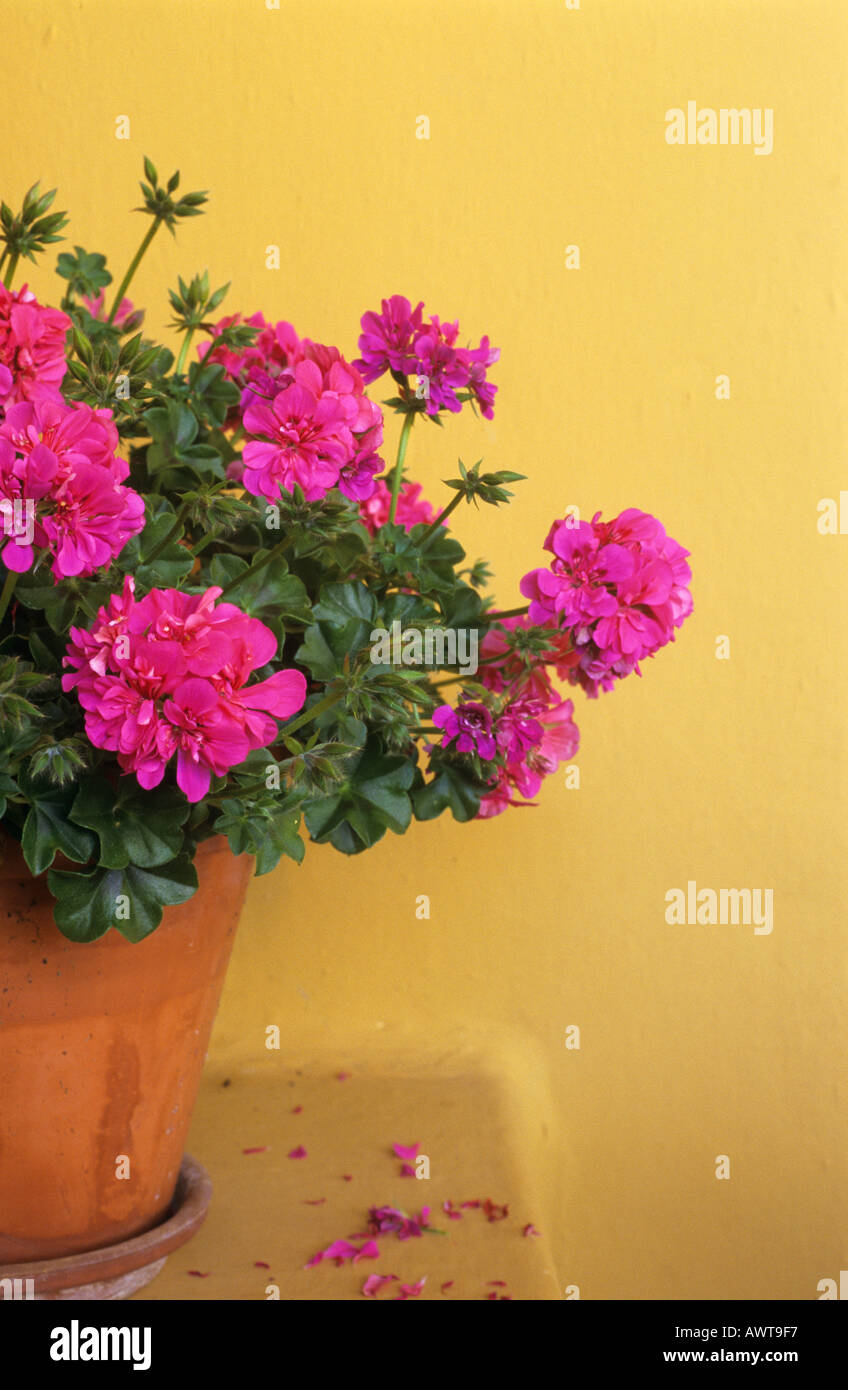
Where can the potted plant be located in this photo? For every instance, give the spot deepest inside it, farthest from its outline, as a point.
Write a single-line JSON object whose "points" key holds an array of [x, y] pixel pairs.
{"points": [[227, 626]]}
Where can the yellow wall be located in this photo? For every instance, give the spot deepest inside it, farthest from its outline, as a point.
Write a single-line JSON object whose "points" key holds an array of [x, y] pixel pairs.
{"points": [[547, 128]]}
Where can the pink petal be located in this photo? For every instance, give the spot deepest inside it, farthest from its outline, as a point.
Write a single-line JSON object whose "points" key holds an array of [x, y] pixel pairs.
{"points": [[260, 1264], [197, 1273], [410, 1290], [260, 1149], [347, 1177], [313, 1201], [406, 1150], [297, 1109], [375, 1282], [447, 1285], [299, 1152], [530, 1230]]}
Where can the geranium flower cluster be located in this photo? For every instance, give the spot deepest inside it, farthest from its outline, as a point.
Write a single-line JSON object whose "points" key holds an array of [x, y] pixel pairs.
{"points": [[412, 508], [619, 588], [526, 740], [166, 677], [32, 348], [305, 411], [398, 340], [62, 487]]}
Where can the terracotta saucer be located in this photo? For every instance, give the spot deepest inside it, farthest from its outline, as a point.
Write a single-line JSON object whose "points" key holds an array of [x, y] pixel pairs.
{"points": [[116, 1271]]}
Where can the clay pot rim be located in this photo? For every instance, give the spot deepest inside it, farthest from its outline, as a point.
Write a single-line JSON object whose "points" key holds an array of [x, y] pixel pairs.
{"points": [[188, 1210]]}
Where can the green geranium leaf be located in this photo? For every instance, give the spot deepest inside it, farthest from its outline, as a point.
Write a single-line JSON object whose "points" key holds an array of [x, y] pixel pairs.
{"points": [[374, 799], [449, 790], [131, 899], [49, 830], [272, 592], [267, 832], [133, 826], [343, 621], [169, 568]]}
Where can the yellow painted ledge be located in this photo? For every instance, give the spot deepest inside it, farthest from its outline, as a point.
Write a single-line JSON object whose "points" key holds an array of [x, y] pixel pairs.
{"points": [[476, 1120]]}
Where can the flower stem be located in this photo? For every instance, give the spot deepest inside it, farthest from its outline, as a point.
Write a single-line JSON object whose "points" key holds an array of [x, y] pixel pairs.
{"points": [[10, 273], [184, 351], [401, 455], [8, 590], [207, 540], [133, 267], [255, 569], [434, 525], [169, 535], [511, 613], [331, 698]]}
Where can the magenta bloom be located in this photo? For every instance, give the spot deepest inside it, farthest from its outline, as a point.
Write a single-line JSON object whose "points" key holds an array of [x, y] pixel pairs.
{"points": [[527, 766], [97, 308], [298, 443], [61, 488], [469, 726], [166, 678], [398, 340], [412, 508], [620, 588], [316, 429], [518, 728], [386, 339], [32, 347]]}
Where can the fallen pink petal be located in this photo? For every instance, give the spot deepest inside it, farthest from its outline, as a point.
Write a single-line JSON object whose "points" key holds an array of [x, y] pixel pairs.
{"points": [[409, 1151], [530, 1230], [261, 1264], [260, 1149], [375, 1282], [500, 1282], [447, 1285], [392, 1221], [297, 1109], [198, 1274], [299, 1152], [410, 1290], [341, 1250], [313, 1201], [494, 1212], [450, 1211]]}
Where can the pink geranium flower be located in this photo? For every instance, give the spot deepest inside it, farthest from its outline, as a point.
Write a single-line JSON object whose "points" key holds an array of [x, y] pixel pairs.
{"points": [[166, 678], [60, 471], [397, 340], [469, 726], [620, 588], [96, 306], [386, 339], [32, 347], [527, 766], [412, 508], [313, 427]]}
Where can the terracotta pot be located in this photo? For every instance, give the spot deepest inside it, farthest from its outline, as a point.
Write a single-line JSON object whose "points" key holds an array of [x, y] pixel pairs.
{"points": [[101, 1050]]}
